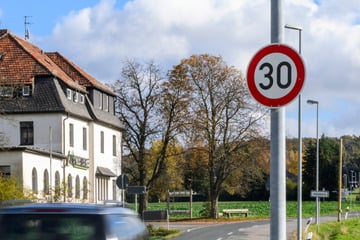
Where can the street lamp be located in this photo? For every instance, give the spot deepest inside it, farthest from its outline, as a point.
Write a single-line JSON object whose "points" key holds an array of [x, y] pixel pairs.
{"points": [[299, 29], [317, 158], [299, 182]]}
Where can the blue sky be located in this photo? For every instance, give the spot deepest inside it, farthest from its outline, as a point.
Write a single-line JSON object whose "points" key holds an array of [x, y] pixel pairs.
{"points": [[99, 35], [43, 14]]}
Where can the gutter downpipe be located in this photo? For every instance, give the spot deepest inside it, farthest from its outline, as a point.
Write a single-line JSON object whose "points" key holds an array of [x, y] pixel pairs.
{"points": [[63, 145]]}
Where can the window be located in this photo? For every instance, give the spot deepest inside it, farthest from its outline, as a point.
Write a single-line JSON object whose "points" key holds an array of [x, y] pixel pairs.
{"points": [[26, 90], [57, 186], [76, 96], [34, 181], [102, 187], [114, 145], [77, 187], [82, 98], [5, 171], [114, 188], [69, 186], [46, 182], [105, 102], [6, 91], [71, 135], [84, 139], [69, 94], [85, 188], [102, 142], [100, 101], [26, 133]]}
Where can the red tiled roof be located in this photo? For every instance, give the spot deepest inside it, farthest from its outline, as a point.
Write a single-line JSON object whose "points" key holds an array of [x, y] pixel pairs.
{"points": [[21, 61]]}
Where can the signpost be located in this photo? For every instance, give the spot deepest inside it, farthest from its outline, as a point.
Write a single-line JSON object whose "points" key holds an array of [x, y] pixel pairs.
{"points": [[275, 75]]}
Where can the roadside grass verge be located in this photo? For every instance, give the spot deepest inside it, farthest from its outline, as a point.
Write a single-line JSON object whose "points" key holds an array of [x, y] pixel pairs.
{"points": [[348, 229], [162, 233], [261, 210]]}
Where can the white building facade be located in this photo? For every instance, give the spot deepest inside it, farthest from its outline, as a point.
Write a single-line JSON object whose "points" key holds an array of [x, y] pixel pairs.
{"points": [[59, 135]]}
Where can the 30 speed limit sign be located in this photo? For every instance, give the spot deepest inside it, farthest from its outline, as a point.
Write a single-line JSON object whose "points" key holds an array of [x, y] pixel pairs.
{"points": [[275, 75]]}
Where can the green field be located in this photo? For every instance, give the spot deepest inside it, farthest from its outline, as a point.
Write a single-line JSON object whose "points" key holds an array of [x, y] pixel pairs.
{"points": [[259, 209]]}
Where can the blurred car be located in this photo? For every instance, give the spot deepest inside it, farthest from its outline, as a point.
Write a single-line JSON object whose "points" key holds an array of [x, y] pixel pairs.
{"points": [[67, 221]]}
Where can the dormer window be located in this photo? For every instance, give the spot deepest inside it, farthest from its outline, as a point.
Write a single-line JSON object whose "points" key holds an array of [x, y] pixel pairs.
{"points": [[69, 94], [6, 91], [26, 90]]}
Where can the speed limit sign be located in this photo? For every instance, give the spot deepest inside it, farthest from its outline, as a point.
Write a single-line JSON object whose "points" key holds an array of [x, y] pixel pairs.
{"points": [[275, 75]]}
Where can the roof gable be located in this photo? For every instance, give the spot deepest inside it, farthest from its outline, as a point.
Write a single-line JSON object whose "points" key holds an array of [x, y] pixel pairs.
{"points": [[21, 61], [76, 73]]}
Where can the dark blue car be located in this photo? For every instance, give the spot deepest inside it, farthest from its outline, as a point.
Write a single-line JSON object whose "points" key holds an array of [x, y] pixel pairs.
{"points": [[70, 222]]}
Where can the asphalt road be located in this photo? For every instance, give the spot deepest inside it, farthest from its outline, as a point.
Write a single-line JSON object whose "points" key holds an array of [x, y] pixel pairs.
{"points": [[248, 230]]}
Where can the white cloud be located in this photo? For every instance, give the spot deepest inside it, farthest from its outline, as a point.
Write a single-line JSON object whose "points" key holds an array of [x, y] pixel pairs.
{"points": [[99, 38]]}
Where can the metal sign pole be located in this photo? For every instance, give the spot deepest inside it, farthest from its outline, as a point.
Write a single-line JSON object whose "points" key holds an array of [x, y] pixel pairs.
{"points": [[277, 146]]}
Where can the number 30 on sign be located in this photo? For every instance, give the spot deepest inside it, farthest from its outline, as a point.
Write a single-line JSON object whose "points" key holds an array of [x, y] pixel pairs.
{"points": [[275, 75]]}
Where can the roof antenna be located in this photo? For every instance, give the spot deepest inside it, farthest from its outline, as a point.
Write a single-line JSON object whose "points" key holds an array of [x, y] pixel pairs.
{"points": [[26, 24]]}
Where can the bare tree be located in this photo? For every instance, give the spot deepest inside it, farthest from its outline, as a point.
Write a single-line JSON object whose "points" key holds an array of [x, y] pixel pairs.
{"points": [[221, 114], [148, 108]]}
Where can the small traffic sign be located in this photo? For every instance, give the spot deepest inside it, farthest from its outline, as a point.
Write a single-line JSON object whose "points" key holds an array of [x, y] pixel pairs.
{"points": [[321, 194], [122, 181], [275, 75], [136, 189]]}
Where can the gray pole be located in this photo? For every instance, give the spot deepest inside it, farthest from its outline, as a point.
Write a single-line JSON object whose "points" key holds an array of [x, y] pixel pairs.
{"points": [[340, 181], [277, 145], [317, 165], [317, 220], [299, 181]]}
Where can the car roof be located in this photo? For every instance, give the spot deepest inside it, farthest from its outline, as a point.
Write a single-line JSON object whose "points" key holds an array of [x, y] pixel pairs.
{"points": [[66, 208]]}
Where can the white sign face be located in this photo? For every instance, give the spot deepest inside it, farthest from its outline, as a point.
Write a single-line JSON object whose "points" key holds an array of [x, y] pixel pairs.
{"points": [[275, 75], [280, 80], [323, 194]]}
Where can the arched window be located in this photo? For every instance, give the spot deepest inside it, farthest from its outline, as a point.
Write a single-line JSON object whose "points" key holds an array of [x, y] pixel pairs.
{"points": [[46, 182], [77, 187], [57, 186], [34, 181], [85, 188], [70, 186]]}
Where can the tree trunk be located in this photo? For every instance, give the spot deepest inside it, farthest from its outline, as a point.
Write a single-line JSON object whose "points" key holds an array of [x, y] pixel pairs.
{"points": [[143, 203], [214, 207], [214, 196], [142, 176]]}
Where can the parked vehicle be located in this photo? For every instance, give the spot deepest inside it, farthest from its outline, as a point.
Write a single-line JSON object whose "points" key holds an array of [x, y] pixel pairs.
{"points": [[67, 221]]}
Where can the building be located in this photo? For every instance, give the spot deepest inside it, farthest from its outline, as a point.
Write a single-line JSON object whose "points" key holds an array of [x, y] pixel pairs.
{"points": [[59, 136]]}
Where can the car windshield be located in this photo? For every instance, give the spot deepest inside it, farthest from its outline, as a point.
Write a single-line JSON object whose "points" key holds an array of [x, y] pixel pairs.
{"points": [[50, 227]]}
